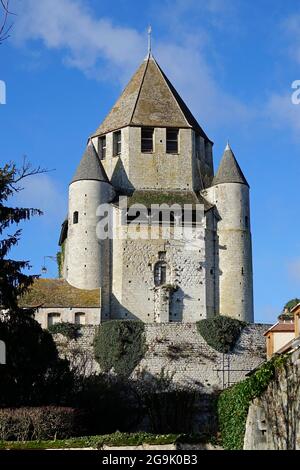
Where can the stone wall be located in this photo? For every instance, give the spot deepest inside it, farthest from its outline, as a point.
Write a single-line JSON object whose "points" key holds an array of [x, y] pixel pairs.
{"points": [[273, 421], [181, 351]]}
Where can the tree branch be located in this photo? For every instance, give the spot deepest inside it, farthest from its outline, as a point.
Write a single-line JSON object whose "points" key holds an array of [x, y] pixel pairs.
{"points": [[4, 27]]}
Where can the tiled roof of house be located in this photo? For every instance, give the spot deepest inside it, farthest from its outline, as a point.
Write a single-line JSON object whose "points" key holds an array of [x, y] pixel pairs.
{"points": [[281, 327], [58, 293]]}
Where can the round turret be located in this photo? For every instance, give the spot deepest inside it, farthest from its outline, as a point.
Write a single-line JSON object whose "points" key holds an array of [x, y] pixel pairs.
{"points": [[230, 194], [86, 254]]}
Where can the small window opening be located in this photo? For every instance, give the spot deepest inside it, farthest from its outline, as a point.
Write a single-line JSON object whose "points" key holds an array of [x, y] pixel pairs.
{"points": [[160, 273], [147, 139], [75, 217], [102, 147], [117, 143], [172, 141]]}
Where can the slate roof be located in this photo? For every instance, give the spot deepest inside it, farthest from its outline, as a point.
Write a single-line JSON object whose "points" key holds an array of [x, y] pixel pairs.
{"points": [[90, 167], [229, 170], [149, 99], [54, 293]]}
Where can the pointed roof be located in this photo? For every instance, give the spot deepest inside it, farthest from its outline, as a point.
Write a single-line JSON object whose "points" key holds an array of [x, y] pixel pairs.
{"points": [[229, 170], [149, 99], [90, 166]]}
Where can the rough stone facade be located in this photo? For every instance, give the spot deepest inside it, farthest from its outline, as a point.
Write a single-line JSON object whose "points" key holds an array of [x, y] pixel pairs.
{"points": [[273, 421], [179, 350], [215, 277]]}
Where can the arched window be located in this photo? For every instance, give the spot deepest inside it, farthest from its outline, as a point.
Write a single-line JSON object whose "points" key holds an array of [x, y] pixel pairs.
{"points": [[80, 318], [53, 318], [160, 273], [75, 217]]}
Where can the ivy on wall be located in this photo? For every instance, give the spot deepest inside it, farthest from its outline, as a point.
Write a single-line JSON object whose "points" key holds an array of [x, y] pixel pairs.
{"points": [[220, 332], [120, 345], [69, 330], [233, 403], [60, 257]]}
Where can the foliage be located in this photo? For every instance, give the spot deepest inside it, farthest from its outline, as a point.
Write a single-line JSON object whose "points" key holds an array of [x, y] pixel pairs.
{"points": [[13, 282], [60, 257], [34, 374], [119, 346], [110, 403], [233, 403], [291, 304], [111, 440], [27, 424], [220, 332], [69, 330], [169, 406]]}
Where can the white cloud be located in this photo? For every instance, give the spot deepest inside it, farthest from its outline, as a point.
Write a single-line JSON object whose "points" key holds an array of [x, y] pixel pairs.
{"points": [[42, 192], [282, 113], [69, 25], [101, 49]]}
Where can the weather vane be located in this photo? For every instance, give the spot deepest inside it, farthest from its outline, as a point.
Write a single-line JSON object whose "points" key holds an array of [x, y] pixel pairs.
{"points": [[149, 39]]}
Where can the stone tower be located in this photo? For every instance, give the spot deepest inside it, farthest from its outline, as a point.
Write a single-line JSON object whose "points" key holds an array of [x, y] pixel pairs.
{"points": [[230, 195], [151, 150], [87, 256]]}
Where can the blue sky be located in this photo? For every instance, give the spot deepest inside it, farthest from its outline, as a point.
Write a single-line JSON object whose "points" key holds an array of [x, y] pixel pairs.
{"points": [[232, 61]]}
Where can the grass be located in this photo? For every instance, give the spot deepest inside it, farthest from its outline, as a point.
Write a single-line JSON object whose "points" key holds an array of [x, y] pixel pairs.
{"points": [[111, 440]]}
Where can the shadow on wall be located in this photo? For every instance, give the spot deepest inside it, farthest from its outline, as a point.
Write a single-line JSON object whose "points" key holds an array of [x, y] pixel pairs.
{"points": [[120, 179], [119, 312]]}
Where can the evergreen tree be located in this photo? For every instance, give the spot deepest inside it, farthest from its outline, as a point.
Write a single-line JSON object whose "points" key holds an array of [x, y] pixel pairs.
{"points": [[33, 373], [13, 281]]}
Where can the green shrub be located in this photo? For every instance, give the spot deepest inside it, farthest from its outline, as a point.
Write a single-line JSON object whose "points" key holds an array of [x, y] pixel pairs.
{"points": [[120, 345], [110, 403], [233, 403], [34, 374], [291, 304], [48, 422], [220, 332], [69, 330]]}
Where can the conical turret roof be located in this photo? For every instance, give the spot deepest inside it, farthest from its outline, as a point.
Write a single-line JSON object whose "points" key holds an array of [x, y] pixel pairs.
{"points": [[229, 170], [90, 167], [149, 99]]}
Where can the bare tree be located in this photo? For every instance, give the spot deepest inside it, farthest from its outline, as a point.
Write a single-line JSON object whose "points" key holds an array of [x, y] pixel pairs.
{"points": [[5, 26]]}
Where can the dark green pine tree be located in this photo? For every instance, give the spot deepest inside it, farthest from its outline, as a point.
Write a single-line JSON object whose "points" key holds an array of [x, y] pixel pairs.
{"points": [[33, 373], [13, 281]]}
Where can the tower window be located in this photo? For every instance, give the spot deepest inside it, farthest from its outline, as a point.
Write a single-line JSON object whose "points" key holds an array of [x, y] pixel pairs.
{"points": [[247, 221], [172, 141], [117, 143], [102, 147], [147, 139], [75, 217], [160, 273]]}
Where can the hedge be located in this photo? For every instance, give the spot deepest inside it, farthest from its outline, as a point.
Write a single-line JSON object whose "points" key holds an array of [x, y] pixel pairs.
{"points": [[116, 439], [35, 423], [119, 345], [233, 403], [220, 332]]}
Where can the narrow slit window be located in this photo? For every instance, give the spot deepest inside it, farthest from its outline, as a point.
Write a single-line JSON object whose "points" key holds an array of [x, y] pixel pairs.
{"points": [[117, 143], [75, 217], [160, 273], [147, 139], [172, 141], [102, 147]]}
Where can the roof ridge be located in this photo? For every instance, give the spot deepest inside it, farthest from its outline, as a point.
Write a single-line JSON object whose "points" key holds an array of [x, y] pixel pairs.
{"points": [[170, 90], [140, 88]]}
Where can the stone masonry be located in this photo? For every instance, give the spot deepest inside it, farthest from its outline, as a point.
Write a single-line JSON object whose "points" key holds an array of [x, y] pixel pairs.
{"points": [[180, 351]]}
